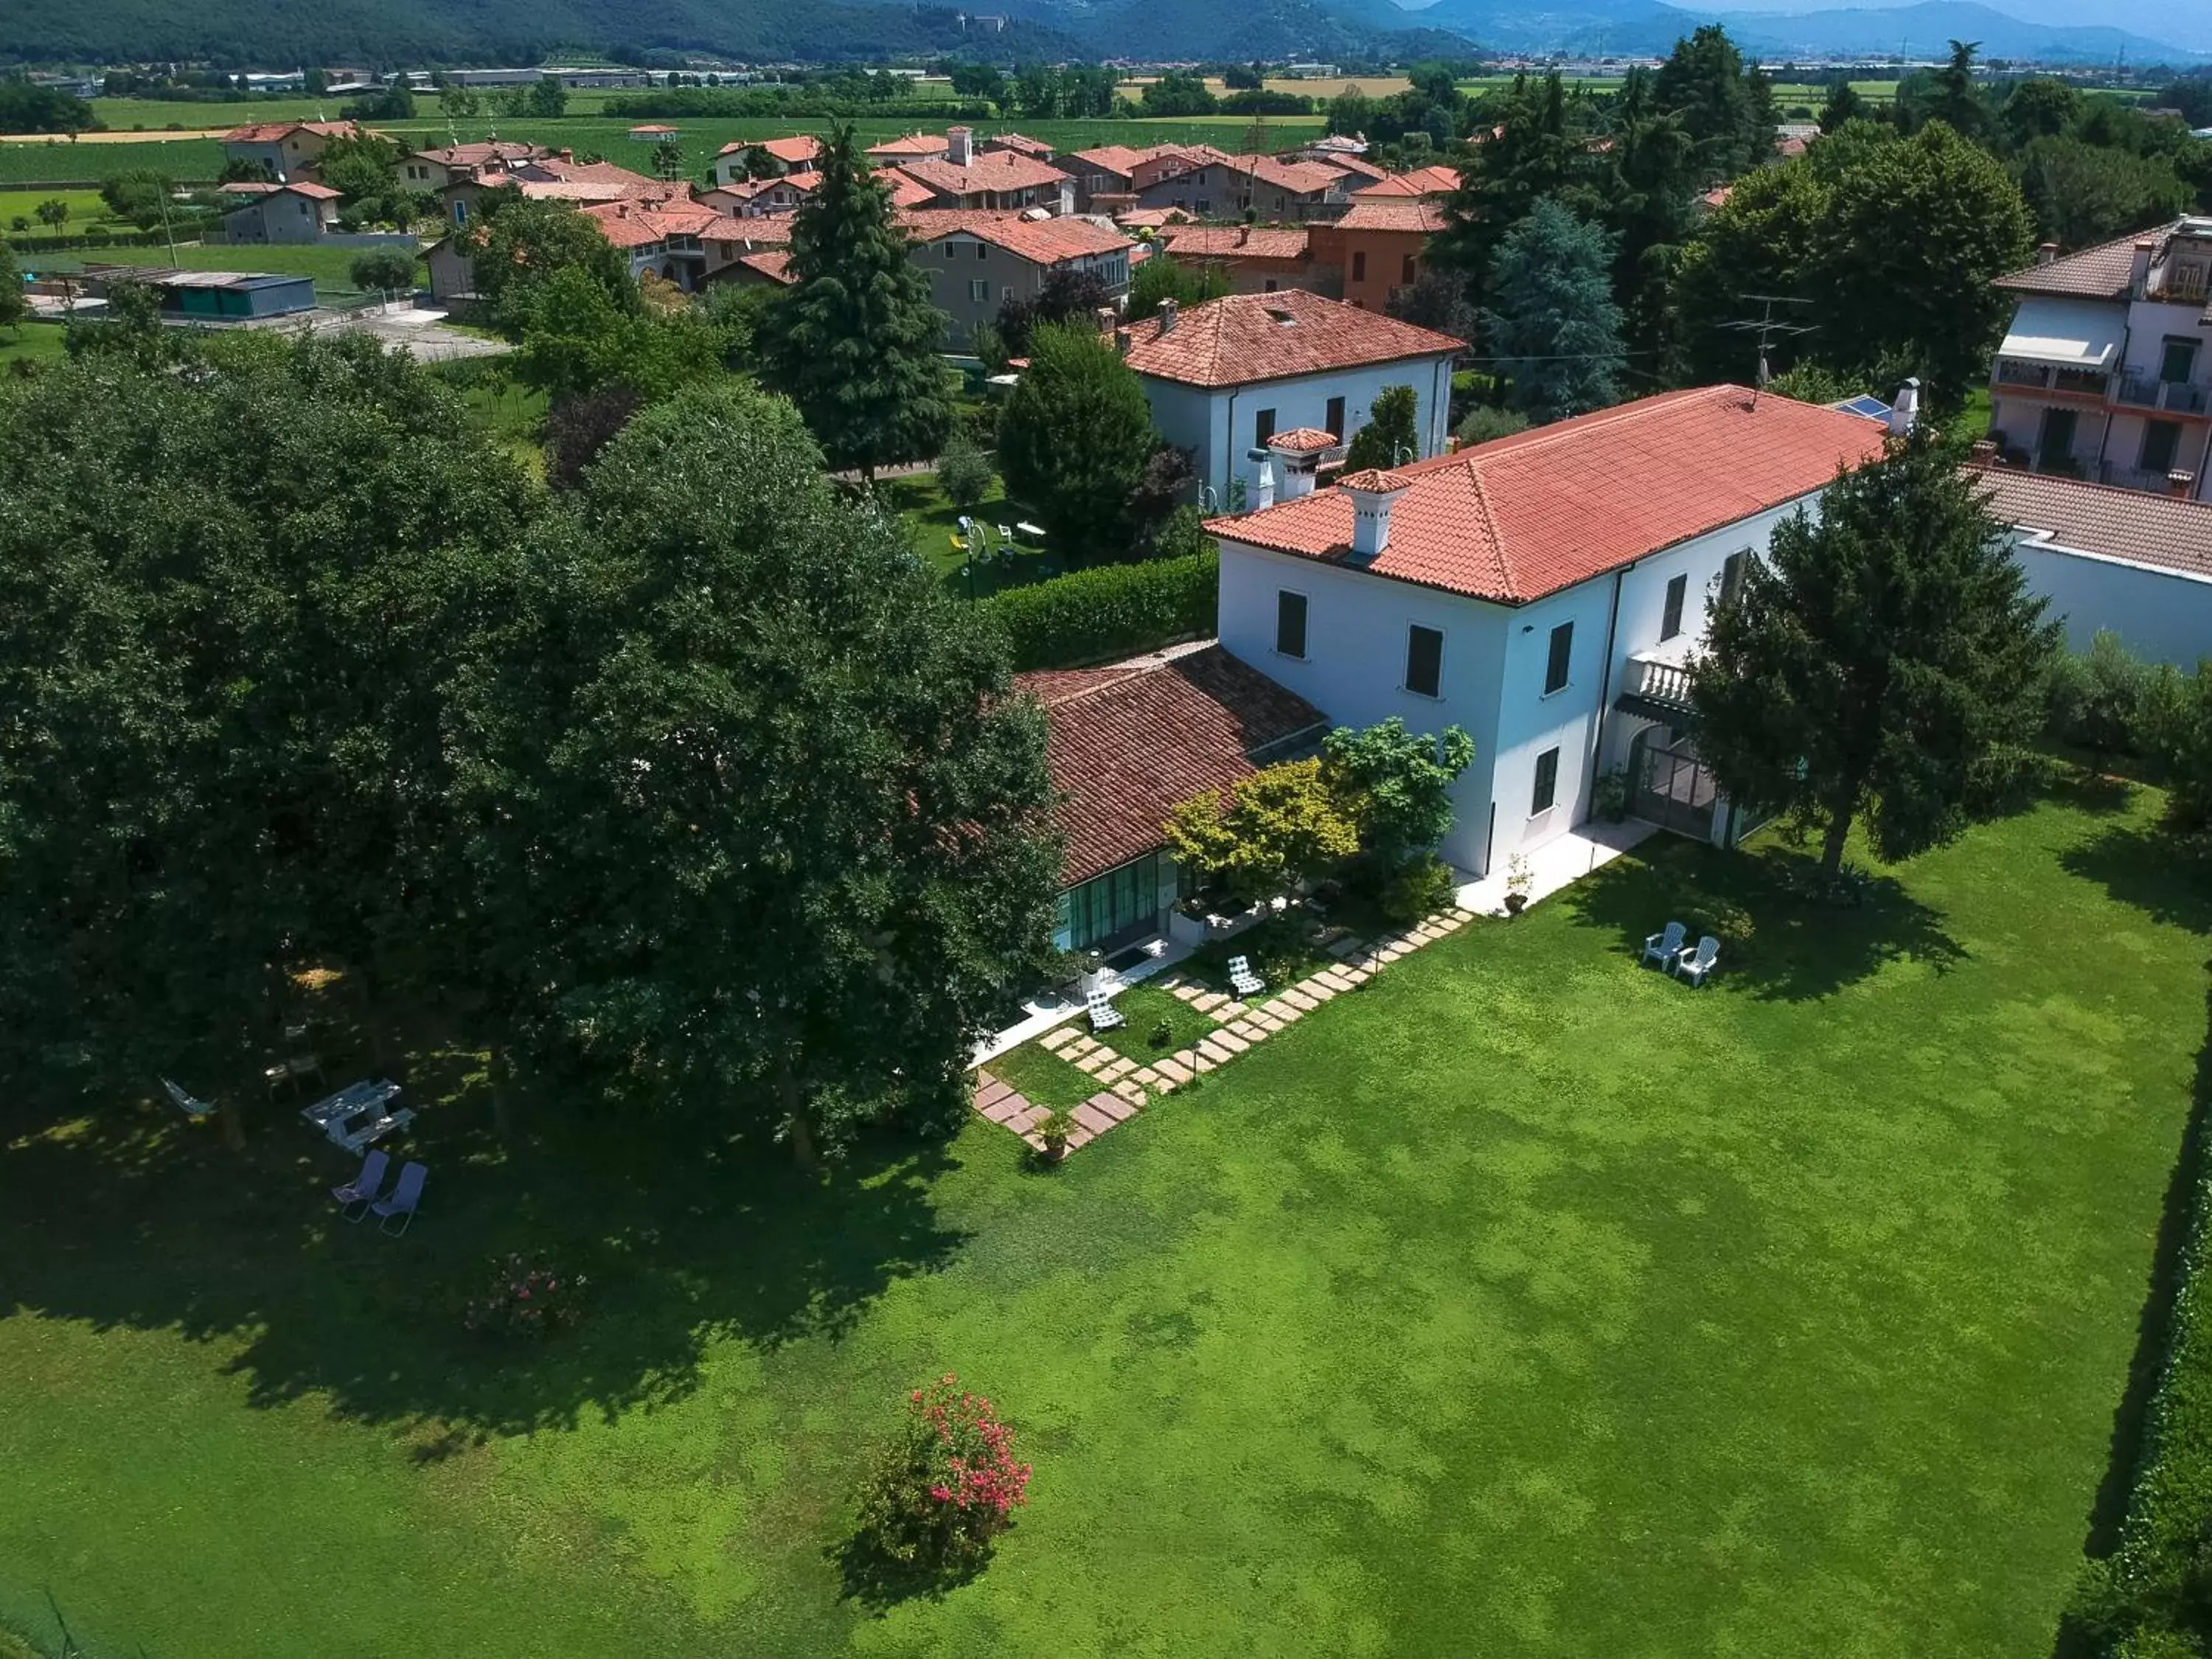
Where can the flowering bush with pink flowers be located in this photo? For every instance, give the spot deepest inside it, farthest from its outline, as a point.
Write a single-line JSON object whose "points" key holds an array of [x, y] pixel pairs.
{"points": [[527, 1297], [946, 1487]]}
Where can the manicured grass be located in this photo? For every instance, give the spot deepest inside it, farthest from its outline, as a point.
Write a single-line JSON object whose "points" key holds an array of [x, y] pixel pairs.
{"points": [[89, 160], [1146, 1007], [1527, 1292], [934, 521], [1047, 1079], [87, 211], [32, 342]]}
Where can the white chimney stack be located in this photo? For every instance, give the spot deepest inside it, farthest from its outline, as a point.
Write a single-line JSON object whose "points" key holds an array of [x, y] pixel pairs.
{"points": [[1373, 492], [1905, 412], [959, 146], [2139, 270], [1167, 316], [1263, 488]]}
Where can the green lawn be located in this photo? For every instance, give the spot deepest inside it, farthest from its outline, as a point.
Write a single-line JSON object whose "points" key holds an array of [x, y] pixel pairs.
{"points": [[1527, 1293], [32, 341], [88, 160], [933, 521], [331, 267], [87, 211]]}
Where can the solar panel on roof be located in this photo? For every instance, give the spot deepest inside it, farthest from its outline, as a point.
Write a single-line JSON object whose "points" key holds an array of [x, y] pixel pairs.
{"points": [[1872, 408]]}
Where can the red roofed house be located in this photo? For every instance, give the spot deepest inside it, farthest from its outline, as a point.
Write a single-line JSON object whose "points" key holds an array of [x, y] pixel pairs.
{"points": [[1223, 377], [1256, 258], [777, 156], [287, 150], [964, 177], [978, 261], [1126, 743], [1431, 183], [302, 212], [1547, 592], [1379, 247]]}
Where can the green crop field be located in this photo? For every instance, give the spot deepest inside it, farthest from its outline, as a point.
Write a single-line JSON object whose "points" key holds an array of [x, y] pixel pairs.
{"points": [[88, 160], [87, 211]]}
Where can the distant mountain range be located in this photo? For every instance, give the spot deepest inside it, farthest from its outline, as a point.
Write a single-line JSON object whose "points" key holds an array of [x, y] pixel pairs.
{"points": [[390, 32]]}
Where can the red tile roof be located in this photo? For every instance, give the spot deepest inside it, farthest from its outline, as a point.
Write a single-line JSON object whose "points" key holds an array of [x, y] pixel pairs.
{"points": [[1434, 180], [1128, 741], [1300, 178], [2097, 273], [463, 156], [1304, 440], [914, 144], [775, 263], [2132, 525], [1353, 166], [1244, 337], [791, 152], [1238, 242], [1020, 143], [990, 170], [1521, 517], [270, 132], [1040, 241], [314, 193], [1420, 218]]}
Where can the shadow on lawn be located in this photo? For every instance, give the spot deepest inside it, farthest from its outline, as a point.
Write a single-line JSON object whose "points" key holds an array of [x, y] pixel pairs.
{"points": [[128, 1217], [2155, 871], [1775, 942]]}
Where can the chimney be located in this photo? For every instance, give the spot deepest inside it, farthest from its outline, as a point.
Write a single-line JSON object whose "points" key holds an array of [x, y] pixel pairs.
{"points": [[2178, 484], [1106, 317], [569, 155], [1294, 471], [1985, 452], [2139, 270], [1905, 410], [1120, 342], [1263, 488], [1167, 316], [959, 146], [2046, 253], [1373, 494]]}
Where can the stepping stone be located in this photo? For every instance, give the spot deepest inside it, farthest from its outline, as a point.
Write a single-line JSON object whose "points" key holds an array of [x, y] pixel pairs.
{"points": [[989, 1090], [1229, 1041], [1163, 1087], [1201, 1061], [1057, 1038], [1285, 1015], [1297, 997], [1081, 1045], [1089, 1117], [1208, 1001], [1360, 976], [1171, 1073], [1007, 1108], [1118, 1069], [1120, 1110], [1094, 1062], [1148, 1075], [1026, 1120], [1216, 1048], [1462, 917], [1131, 1093], [1320, 990], [1187, 992], [1390, 952], [1341, 948], [1450, 922]]}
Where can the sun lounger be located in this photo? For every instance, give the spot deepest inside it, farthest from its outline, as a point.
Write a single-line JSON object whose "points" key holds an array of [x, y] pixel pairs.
{"points": [[355, 1196], [1104, 1016], [1243, 979], [404, 1199]]}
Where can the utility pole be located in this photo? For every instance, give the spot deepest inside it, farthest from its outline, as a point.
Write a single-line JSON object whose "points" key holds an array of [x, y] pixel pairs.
{"points": [[1768, 328]]}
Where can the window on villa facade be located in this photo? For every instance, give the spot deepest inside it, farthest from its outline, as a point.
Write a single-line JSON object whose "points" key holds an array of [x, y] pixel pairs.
{"points": [[1333, 422], [1408, 267], [1547, 782], [1263, 427], [2179, 360], [951, 248], [1731, 577], [979, 290], [1424, 661], [2160, 440], [1289, 623], [1670, 623], [1359, 265], [1562, 651]]}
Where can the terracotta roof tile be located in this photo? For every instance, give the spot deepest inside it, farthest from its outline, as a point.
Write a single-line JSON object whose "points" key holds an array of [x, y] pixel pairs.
{"points": [[1238, 242], [1423, 218], [1434, 180], [313, 191], [992, 170], [1126, 743], [913, 145], [269, 132], [1301, 178], [1352, 166], [1304, 440], [2099, 272], [775, 263], [1040, 241], [2132, 525], [1020, 143], [1521, 517], [791, 152], [1244, 337]]}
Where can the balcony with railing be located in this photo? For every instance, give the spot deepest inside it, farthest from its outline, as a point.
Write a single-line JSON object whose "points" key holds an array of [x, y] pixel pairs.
{"points": [[2147, 392], [2012, 375], [1657, 684], [2167, 482]]}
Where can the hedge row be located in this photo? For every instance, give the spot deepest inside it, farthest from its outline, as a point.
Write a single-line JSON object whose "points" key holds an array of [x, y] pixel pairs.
{"points": [[2152, 1598], [1114, 610], [31, 241]]}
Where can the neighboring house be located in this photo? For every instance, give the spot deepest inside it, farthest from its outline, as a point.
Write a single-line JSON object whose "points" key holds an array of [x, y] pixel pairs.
{"points": [[1256, 260], [1109, 177], [1428, 184], [1127, 743], [556, 178], [1035, 149], [1379, 247], [914, 147], [733, 163], [1547, 592], [1223, 377], [978, 261], [431, 170], [211, 296], [1200, 180], [1279, 191], [2138, 564], [2106, 372], [281, 213], [992, 180], [1357, 171], [753, 198], [768, 267], [289, 151], [687, 243]]}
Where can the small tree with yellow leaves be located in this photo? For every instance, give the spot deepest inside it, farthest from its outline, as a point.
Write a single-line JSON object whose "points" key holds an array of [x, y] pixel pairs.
{"points": [[1281, 825]]}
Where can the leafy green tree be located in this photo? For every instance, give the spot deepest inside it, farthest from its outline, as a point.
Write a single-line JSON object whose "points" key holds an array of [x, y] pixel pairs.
{"points": [[229, 603], [1392, 436], [1957, 100], [1178, 92], [138, 194], [1484, 421], [962, 472], [1066, 294], [1282, 824], [457, 102], [1351, 114], [1879, 661], [574, 338], [2041, 107], [1727, 108], [1074, 440], [26, 107], [989, 348], [854, 343], [1437, 298], [762, 835], [519, 244], [1811, 382], [1397, 785], [53, 212], [384, 271], [1160, 279], [548, 97], [14, 305], [2081, 194], [1555, 328], [1892, 243], [1533, 153], [2176, 724], [1843, 104], [1648, 192]]}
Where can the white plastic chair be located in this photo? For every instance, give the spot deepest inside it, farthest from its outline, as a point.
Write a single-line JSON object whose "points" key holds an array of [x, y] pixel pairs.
{"points": [[191, 1108], [1664, 948], [1104, 1016], [1694, 965], [1243, 979]]}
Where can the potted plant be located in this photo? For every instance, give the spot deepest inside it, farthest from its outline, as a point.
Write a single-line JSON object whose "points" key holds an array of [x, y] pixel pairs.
{"points": [[1053, 1129], [1518, 878], [1609, 799]]}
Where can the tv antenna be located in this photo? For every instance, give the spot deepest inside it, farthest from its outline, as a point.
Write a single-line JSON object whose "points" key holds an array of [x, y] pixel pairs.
{"points": [[1769, 328]]}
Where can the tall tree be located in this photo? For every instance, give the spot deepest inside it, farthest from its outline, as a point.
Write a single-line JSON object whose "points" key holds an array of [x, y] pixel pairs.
{"points": [[1553, 326], [1892, 242], [1650, 195], [1843, 104], [2082, 194], [854, 343], [1528, 154], [518, 245], [1392, 436], [2041, 107], [14, 307], [1066, 294], [1074, 440], [1160, 279], [1958, 101], [1873, 667], [763, 834], [1727, 108]]}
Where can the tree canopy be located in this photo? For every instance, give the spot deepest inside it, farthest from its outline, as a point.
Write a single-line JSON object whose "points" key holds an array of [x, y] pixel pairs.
{"points": [[1392, 436], [1074, 440], [1879, 661], [1552, 325]]}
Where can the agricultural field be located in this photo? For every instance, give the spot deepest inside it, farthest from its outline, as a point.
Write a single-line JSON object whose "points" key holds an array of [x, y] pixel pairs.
{"points": [[87, 211]]}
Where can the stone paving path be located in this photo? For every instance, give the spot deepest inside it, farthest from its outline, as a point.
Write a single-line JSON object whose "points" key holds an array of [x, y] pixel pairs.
{"points": [[1130, 1085]]}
